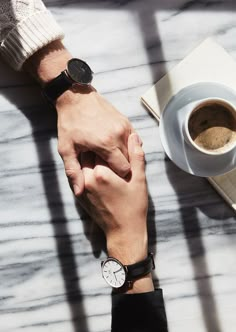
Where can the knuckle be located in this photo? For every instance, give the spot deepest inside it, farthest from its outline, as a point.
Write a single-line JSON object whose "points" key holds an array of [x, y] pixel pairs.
{"points": [[120, 129], [106, 147], [123, 128], [127, 125], [61, 148], [100, 175], [70, 173], [107, 141]]}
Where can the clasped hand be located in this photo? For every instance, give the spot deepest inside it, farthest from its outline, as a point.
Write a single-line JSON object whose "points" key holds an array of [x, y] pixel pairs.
{"points": [[118, 205], [87, 122], [104, 163]]}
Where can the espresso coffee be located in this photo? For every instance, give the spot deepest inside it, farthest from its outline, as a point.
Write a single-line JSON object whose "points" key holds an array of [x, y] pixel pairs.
{"points": [[212, 126]]}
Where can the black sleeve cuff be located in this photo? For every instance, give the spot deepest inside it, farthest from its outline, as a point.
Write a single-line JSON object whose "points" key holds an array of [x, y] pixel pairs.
{"points": [[142, 312]]}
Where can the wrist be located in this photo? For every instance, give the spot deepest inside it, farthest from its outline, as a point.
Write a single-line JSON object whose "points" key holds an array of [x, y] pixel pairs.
{"points": [[48, 62], [128, 250], [73, 96]]}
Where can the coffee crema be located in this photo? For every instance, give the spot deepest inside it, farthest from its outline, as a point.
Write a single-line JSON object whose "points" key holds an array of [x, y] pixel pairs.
{"points": [[212, 126]]}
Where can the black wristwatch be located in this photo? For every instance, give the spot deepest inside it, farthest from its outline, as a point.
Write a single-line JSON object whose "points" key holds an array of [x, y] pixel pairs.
{"points": [[77, 72], [117, 275]]}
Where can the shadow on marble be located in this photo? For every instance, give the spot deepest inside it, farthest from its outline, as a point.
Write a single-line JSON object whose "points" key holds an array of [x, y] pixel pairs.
{"points": [[191, 199], [177, 5], [189, 219], [92, 231], [43, 125], [187, 205]]}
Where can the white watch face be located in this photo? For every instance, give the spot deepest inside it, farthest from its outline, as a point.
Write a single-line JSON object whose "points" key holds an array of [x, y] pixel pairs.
{"points": [[113, 272]]}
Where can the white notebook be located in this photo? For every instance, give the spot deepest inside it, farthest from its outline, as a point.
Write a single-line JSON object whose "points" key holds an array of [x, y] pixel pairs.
{"points": [[208, 62]]}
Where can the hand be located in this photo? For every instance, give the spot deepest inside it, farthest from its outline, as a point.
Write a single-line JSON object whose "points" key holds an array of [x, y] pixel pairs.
{"points": [[119, 206], [86, 121]]}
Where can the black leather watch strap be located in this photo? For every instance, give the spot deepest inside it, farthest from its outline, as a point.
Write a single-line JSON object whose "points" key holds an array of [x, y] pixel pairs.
{"points": [[140, 269], [57, 86]]}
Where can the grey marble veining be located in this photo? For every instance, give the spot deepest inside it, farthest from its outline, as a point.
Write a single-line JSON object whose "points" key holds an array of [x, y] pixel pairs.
{"points": [[50, 253]]}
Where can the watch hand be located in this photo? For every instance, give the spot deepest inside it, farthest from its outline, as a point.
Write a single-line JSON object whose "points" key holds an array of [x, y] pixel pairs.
{"points": [[118, 270]]}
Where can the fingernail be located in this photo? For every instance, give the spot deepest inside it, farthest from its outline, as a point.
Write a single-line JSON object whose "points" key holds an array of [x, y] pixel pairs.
{"points": [[137, 139], [76, 189], [140, 141]]}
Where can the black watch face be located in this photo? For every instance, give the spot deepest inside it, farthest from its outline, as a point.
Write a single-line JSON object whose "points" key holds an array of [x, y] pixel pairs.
{"points": [[79, 71]]}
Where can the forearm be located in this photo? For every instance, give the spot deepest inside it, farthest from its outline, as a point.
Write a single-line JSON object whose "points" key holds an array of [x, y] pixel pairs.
{"points": [[131, 247]]}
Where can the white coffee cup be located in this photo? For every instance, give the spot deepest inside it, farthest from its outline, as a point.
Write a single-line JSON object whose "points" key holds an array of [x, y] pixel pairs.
{"points": [[210, 126]]}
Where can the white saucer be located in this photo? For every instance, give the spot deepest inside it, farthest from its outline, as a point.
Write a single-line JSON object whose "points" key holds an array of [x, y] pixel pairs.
{"points": [[171, 124]]}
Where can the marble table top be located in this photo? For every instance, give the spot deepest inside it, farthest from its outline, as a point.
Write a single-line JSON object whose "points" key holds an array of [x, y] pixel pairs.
{"points": [[50, 257]]}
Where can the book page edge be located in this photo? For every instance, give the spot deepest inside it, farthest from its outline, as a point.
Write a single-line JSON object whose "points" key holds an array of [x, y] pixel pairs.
{"points": [[222, 193], [150, 109]]}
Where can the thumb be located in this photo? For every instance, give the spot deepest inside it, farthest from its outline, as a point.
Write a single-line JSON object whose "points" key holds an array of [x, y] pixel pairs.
{"points": [[136, 154]]}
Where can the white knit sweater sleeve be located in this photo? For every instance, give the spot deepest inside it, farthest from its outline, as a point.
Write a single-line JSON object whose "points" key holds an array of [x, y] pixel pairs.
{"points": [[25, 27]]}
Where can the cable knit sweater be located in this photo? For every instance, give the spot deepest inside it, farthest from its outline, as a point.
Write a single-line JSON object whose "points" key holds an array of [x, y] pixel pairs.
{"points": [[25, 27]]}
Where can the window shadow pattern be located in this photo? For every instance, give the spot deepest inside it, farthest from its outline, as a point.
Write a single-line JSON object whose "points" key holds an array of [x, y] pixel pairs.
{"points": [[189, 219]]}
